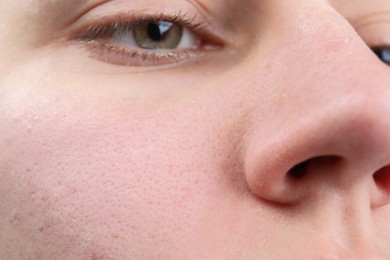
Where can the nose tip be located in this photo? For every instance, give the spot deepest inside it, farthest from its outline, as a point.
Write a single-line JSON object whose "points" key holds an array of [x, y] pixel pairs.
{"points": [[340, 146]]}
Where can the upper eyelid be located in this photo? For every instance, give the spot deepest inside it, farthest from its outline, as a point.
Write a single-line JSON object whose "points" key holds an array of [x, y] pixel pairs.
{"points": [[375, 32], [203, 21], [102, 26], [123, 21], [374, 17]]}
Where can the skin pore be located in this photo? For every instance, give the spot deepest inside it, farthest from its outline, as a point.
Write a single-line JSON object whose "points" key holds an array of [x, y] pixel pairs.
{"points": [[265, 138]]}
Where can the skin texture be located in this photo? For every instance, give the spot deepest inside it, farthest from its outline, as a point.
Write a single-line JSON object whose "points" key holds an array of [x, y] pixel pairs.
{"points": [[194, 160]]}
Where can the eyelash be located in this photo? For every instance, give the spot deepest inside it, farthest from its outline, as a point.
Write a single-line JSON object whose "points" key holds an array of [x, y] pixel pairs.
{"points": [[98, 40]]}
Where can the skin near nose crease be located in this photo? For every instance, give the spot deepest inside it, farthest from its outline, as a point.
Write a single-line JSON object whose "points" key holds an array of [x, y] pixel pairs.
{"points": [[198, 129]]}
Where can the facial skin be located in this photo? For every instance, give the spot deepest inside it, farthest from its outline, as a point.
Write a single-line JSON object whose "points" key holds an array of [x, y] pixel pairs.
{"points": [[195, 159]]}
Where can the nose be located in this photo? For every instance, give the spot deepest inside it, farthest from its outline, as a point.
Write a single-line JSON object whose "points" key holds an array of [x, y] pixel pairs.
{"points": [[337, 146], [328, 130]]}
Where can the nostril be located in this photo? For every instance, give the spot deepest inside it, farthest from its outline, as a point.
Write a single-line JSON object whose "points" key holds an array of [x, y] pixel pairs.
{"points": [[382, 181], [299, 171], [382, 178]]}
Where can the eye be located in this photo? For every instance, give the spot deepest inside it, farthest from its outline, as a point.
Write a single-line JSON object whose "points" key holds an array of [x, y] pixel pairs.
{"points": [[148, 41], [383, 54], [158, 35]]}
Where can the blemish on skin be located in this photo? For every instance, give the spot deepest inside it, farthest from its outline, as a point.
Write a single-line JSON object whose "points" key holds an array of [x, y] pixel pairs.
{"points": [[15, 220], [268, 67], [96, 257]]}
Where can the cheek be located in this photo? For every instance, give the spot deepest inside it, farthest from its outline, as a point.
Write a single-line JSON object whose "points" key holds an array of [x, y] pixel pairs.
{"points": [[85, 177]]}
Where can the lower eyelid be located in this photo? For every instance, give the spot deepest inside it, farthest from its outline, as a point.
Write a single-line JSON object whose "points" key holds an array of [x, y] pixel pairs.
{"points": [[121, 53], [131, 57]]}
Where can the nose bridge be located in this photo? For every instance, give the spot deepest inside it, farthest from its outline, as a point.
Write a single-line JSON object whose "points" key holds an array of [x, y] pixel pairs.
{"points": [[316, 58], [320, 40], [331, 103]]}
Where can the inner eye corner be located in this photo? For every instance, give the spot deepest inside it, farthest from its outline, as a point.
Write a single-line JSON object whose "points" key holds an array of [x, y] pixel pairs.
{"points": [[382, 52]]}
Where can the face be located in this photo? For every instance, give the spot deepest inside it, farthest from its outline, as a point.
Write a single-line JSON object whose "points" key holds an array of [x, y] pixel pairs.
{"points": [[194, 129]]}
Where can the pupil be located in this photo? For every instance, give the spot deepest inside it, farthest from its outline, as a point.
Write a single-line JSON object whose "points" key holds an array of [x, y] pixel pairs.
{"points": [[383, 54], [157, 31]]}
